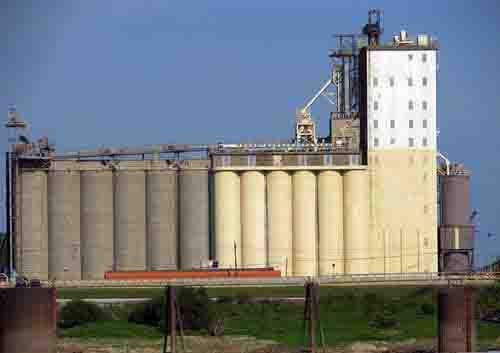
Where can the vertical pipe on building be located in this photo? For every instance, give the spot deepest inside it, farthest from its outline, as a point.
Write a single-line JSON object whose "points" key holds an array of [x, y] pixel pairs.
{"points": [[227, 219], [97, 226], [279, 215], [7, 212], [253, 215], [330, 220], [304, 223], [456, 309], [356, 218]]}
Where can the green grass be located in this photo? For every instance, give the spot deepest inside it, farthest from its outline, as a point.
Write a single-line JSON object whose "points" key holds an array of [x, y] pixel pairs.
{"points": [[111, 329], [342, 312]]}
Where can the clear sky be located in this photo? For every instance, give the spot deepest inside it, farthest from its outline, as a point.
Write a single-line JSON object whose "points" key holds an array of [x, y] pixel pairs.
{"points": [[134, 72]]}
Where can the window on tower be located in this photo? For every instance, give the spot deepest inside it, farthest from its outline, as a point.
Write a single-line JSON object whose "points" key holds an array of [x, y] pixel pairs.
{"points": [[411, 142], [375, 105], [393, 124], [410, 124], [393, 140], [375, 124], [410, 105], [375, 82], [424, 105], [424, 123], [424, 81], [424, 58], [391, 81], [375, 142], [410, 57], [410, 81], [424, 142]]}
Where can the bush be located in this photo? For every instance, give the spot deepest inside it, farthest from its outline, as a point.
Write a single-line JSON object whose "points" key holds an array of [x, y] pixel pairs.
{"points": [[242, 298], [385, 318], [195, 308], [426, 309], [371, 303], [79, 312]]}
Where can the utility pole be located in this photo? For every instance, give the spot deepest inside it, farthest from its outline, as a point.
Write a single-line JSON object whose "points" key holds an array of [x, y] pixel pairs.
{"points": [[311, 319], [235, 258]]}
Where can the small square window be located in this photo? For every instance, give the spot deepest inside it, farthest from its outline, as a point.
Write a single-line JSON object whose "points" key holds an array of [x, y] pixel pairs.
{"points": [[424, 58], [410, 124], [411, 142], [424, 81], [424, 142], [375, 82], [393, 140], [424, 123], [375, 124], [410, 81], [424, 105], [391, 81], [410, 57], [375, 142], [410, 105], [393, 124], [375, 105]]}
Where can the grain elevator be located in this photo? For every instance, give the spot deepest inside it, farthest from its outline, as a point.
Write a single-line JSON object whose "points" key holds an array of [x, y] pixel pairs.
{"points": [[363, 199]]}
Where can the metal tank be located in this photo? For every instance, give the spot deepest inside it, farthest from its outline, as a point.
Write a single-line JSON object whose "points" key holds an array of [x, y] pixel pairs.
{"points": [[227, 219], [304, 224], [34, 231], [356, 218], [96, 223], [253, 219], [194, 218], [330, 223], [279, 217], [161, 210], [64, 225], [130, 220]]}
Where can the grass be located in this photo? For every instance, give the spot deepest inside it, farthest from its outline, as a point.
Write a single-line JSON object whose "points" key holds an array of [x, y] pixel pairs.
{"points": [[343, 315], [111, 329]]}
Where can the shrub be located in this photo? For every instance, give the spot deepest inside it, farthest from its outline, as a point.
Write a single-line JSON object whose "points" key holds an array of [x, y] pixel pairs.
{"points": [[195, 308], [426, 309], [384, 318], [79, 312], [242, 298], [370, 304]]}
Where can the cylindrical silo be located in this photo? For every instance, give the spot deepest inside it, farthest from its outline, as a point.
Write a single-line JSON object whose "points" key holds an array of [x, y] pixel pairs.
{"points": [[279, 217], [253, 219], [356, 220], [161, 196], [130, 220], [227, 219], [331, 223], [96, 223], [194, 218], [64, 225], [34, 232], [304, 224]]}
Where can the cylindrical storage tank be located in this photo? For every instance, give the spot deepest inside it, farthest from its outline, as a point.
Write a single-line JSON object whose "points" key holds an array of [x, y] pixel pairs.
{"points": [[194, 219], [331, 223], [455, 199], [356, 218], [64, 225], [96, 223], [304, 224], [279, 216], [34, 230], [253, 219], [161, 203], [130, 220], [227, 219]]}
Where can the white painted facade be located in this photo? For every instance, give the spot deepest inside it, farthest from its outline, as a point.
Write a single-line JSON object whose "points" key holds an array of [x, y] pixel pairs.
{"points": [[402, 99]]}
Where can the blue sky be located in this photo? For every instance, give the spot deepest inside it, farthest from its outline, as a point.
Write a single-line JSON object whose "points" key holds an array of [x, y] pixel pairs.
{"points": [[123, 72]]}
